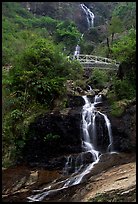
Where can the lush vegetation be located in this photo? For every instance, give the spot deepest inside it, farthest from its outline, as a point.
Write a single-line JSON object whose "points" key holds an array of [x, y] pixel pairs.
{"points": [[100, 78], [39, 71], [126, 12], [120, 44], [124, 84], [21, 28], [35, 48], [32, 86]]}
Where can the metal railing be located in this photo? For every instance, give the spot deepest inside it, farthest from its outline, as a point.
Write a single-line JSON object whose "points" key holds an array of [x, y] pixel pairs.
{"points": [[92, 59]]}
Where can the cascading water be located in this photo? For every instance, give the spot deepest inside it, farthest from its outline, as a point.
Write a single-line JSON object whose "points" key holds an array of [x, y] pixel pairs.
{"points": [[89, 15], [76, 52], [77, 49], [77, 166]]}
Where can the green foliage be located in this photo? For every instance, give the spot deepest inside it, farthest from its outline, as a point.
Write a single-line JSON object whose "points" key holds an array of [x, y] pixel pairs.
{"points": [[11, 9], [122, 93], [34, 83], [125, 51], [16, 115], [80, 83], [67, 33], [99, 78], [100, 50], [51, 137], [124, 89], [41, 71], [87, 47], [125, 48], [126, 11], [117, 109], [115, 25], [20, 29]]}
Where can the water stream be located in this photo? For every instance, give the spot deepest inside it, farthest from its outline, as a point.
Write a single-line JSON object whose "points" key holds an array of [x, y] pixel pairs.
{"points": [[79, 165], [89, 16], [76, 52]]}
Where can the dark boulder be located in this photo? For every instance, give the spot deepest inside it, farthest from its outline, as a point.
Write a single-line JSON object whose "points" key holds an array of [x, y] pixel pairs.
{"points": [[124, 130], [53, 135], [75, 101]]}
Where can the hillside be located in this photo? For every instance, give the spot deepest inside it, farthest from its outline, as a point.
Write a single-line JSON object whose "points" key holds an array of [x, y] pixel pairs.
{"points": [[21, 26], [72, 11], [65, 126]]}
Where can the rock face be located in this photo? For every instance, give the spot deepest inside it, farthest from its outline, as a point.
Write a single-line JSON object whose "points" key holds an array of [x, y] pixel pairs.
{"points": [[53, 135], [124, 130], [114, 172], [72, 11], [47, 157]]}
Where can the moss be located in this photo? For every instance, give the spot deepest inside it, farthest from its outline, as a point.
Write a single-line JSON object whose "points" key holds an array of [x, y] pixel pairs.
{"points": [[15, 131], [115, 196], [117, 109]]}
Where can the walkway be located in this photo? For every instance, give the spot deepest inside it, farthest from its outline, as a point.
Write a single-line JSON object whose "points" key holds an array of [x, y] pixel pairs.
{"points": [[90, 61]]}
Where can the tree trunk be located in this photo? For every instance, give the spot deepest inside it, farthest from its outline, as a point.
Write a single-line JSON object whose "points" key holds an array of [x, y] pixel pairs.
{"points": [[112, 38], [108, 47]]}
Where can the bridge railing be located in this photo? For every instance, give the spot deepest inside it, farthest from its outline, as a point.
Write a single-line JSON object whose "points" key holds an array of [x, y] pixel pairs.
{"points": [[84, 59]]}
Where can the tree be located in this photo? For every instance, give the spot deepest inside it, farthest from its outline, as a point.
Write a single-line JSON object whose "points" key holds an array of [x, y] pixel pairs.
{"points": [[115, 26], [67, 33], [41, 71], [112, 27], [34, 84]]}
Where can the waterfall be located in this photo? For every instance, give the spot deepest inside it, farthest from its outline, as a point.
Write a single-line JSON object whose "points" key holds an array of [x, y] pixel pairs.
{"points": [[89, 16], [79, 165], [90, 89], [77, 48], [108, 124], [68, 165], [76, 52]]}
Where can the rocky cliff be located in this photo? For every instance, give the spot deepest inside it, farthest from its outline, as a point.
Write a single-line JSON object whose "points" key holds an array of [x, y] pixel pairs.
{"points": [[73, 11], [57, 134]]}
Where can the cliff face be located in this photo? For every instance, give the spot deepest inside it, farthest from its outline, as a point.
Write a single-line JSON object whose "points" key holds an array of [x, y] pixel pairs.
{"points": [[72, 11], [66, 124]]}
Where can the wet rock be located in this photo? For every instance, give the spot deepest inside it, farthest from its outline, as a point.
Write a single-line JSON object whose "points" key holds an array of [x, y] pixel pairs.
{"points": [[124, 130], [104, 92], [53, 135], [87, 158], [75, 101]]}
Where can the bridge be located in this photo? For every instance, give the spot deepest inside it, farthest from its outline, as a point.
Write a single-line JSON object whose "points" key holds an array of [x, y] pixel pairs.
{"points": [[92, 61]]}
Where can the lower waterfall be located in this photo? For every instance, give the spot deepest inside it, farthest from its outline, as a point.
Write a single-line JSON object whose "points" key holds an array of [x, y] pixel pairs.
{"points": [[96, 131]]}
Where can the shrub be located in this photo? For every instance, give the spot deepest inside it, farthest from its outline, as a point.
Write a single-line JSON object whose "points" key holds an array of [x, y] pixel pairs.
{"points": [[124, 89], [99, 78], [34, 83]]}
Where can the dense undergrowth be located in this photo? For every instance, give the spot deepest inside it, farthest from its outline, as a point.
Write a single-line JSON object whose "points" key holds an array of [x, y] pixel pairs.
{"points": [[36, 49]]}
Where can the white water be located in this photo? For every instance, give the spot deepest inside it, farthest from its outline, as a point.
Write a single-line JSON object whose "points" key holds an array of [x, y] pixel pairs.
{"points": [[89, 16], [89, 113], [108, 124], [76, 52], [97, 99], [91, 90]]}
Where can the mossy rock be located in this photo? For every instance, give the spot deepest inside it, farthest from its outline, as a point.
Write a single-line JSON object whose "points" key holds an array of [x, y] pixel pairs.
{"points": [[125, 195]]}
